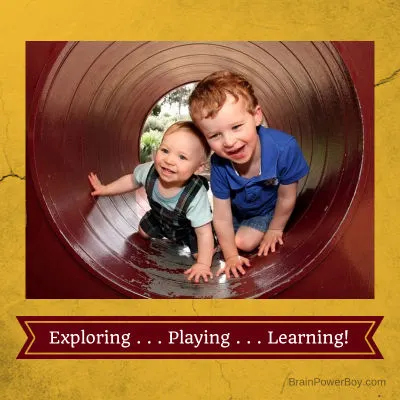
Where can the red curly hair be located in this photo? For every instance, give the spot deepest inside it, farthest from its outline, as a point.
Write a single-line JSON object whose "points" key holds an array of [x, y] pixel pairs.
{"points": [[209, 95]]}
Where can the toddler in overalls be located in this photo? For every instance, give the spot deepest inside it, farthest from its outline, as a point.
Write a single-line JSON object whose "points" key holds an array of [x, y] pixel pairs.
{"points": [[179, 205]]}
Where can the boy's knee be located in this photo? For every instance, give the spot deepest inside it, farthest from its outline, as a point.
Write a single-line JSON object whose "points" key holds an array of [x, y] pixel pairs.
{"points": [[245, 243]]}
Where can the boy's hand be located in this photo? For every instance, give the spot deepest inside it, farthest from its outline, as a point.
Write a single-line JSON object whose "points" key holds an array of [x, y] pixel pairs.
{"points": [[198, 271], [269, 241], [233, 265], [99, 188]]}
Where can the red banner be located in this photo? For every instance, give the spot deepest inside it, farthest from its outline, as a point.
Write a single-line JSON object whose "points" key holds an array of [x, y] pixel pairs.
{"points": [[200, 337]]}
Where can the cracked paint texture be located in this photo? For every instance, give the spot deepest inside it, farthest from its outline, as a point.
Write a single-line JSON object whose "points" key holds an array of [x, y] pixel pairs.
{"points": [[196, 379], [394, 75]]}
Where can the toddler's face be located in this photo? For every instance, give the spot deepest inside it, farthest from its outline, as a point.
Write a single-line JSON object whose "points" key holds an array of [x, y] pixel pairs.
{"points": [[179, 156], [232, 133]]}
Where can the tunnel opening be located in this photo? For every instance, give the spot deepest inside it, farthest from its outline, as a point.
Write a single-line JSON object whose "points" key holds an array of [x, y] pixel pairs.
{"points": [[91, 105], [170, 108]]}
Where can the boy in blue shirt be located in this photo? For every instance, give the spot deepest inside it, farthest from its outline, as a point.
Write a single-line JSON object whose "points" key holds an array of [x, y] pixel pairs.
{"points": [[180, 210], [254, 170]]}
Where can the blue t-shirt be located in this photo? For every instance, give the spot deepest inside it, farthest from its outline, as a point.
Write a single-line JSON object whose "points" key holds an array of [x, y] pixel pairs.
{"points": [[282, 162]]}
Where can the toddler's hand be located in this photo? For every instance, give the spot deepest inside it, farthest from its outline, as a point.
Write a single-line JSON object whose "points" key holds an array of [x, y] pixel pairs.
{"points": [[269, 241], [198, 271], [233, 265], [99, 188]]}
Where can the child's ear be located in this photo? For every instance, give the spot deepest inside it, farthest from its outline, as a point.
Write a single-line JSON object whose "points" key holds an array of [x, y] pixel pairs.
{"points": [[201, 168], [258, 115]]}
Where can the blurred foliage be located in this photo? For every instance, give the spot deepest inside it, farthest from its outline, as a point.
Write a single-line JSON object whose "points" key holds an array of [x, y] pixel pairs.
{"points": [[156, 110], [159, 123], [158, 120], [149, 143], [179, 96]]}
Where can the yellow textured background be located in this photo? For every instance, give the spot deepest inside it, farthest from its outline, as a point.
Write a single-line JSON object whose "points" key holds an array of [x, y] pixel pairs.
{"points": [[196, 379]]}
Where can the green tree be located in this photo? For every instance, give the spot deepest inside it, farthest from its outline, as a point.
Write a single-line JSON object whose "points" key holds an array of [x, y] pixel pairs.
{"points": [[156, 110], [179, 96], [157, 122], [149, 143]]}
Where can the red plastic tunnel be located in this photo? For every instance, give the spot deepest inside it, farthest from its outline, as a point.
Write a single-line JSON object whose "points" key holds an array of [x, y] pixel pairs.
{"points": [[86, 105]]}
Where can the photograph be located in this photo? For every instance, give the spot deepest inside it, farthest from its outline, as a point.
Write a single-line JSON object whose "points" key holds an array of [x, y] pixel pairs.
{"points": [[203, 170]]}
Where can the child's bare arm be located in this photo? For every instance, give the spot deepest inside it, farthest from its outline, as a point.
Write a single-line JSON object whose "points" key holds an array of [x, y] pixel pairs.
{"points": [[226, 237], [205, 244], [283, 209], [122, 185]]}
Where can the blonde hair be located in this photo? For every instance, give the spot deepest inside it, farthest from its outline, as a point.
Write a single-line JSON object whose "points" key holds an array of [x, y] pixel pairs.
{"points": [[191, 127], [209, 95]]}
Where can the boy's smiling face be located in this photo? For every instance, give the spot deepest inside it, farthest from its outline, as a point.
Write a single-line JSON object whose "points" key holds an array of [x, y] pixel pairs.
{"points": [[232, 133], [179, 156]]}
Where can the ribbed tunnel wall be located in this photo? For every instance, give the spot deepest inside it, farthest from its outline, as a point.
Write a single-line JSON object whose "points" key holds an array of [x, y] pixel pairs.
{"points": [[87, 113]]}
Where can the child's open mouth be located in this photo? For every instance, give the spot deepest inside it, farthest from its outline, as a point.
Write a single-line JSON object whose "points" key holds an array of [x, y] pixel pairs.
{"points": [[167, 171], [237, 153]]}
